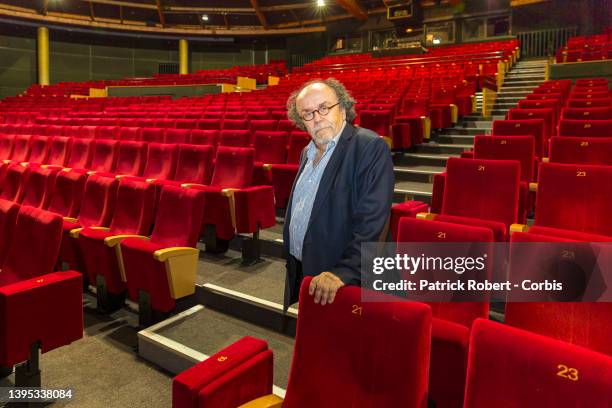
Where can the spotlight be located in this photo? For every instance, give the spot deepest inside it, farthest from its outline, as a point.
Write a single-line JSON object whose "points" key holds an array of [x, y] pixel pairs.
{"points": [[204, 17], [409, 30], [321, 3], [436, 41]]}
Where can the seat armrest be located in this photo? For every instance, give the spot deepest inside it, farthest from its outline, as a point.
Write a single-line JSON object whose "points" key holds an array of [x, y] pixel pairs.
{"points": [[518, 228], [426, 216], [267, 401], [113, 240]]}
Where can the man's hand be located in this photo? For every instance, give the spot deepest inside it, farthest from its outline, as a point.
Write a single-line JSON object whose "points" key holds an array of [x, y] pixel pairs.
{"points": [[324, 287]]}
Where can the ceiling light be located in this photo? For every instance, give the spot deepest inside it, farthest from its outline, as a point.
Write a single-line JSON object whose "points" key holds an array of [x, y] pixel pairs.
{"points": [[321, 3], [409, 30], [436, 41], [204, 17]]}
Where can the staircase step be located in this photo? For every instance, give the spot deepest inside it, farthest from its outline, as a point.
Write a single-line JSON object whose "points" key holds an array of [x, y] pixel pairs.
{"points": [[420, 174], [411, 190], [460, 140], [443, 148], [426, 159], [461, 131]]}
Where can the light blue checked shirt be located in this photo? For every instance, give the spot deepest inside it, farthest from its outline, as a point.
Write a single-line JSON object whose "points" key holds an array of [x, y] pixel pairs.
{"points": [[305, 192]]}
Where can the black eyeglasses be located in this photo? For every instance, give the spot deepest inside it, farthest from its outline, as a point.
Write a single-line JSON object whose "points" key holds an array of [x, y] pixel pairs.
{"points": [[323, 111]]}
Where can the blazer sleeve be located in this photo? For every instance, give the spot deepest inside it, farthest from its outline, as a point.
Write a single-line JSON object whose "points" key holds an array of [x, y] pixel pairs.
{"points": [[375, 182]]}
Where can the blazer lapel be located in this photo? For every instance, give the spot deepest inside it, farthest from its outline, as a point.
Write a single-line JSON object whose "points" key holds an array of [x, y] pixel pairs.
{"points": [[330, 172]]}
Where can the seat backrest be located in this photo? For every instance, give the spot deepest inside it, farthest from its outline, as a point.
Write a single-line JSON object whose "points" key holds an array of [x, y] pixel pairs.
{"points": [[39, 149], [585, 128], [98, 201], [174, 136], [130, 133], [39, 187], [485, 189], [72, 131], [270, 147], [14, 182], [547, 114], [263, 124], [377, 121], [89, 132], [35, 245], [523, 127], [536, 371], [371, 353], [108, 132], [6, 146], [165, 123], [185, 123], [520, 148], [8, 218], [581, 150], [233, 167], [131, 158], [59, 150], [55, 130], [67, 193], [576, 197], [235, 124], [204, 137], [195, 164], [209, 124], [297, 142], [161, 161], [587, 113], [134, 207], [179, 217], [104, 156], [153, 134], [81, 153], [21, 148], [235, 138], [589, 102], [286, 125]]}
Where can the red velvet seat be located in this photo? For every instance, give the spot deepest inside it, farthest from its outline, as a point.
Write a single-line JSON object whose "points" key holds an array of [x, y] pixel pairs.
{"points": [[129, 133], [204, 137], [581, 150], [525, 127], [134, 212], [587, 113], [176, 136], [81, 154], [330, 343], [37, 305], [547, 114], [286, 125], [185, 123], [406, 209], [108, 132], [55, 130], [270, 148], [283, 175], [536, 371], [262, 124], [39, 149], [161, 161], [209, 124], [21, 149], [59, 151], [96, 209], [131, 157], [585, 128], [6, 146], [452, 320], [235, 138], [72, 131], [38, 187], [67, 193], [15, 180], [589, 102], [8, 218], [377, 121], [235, 124], [153, 134], [88, 132], [148, 263]]}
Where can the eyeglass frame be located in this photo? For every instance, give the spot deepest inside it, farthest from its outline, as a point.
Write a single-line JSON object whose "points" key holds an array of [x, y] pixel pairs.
{"points": [[329, 108]]}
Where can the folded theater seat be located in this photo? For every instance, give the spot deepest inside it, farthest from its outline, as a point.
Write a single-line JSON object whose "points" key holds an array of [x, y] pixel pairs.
{"points": [[134, 211], [96, 209], [535, 371], [233, 205], [346, 354], [270, 148], [482, 193], [161, 269], [283, 175], [452, 321], [40, 310]]}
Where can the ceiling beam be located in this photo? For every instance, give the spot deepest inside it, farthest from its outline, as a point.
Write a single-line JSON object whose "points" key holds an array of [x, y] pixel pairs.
{"points": [[286, 7], [92, 15], [124, 4], [378, 10], [180, 9], [260, 14], [353, 7], [160, 13]]}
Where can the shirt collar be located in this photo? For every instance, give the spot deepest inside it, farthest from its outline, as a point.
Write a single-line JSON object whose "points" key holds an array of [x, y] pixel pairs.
{"points": [[310, 151]]}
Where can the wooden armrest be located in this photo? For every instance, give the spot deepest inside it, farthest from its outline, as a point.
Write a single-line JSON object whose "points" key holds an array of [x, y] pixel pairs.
{"points": [[518, 228], [89, 173], [151, 180], [426, 216], [115, 239], [533, 186], [189, 185], [74, 233], [70, 219], [163, 255], [24, 164], [545, 159], [267, 401], [67, 169], [267, 166]]}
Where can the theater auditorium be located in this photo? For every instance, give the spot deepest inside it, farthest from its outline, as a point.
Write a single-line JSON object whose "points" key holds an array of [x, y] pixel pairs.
{"points": [[192, 194]]}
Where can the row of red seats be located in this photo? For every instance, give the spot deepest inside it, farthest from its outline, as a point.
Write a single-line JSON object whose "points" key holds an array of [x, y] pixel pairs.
{"points": [[586, 48], [331, 367]]}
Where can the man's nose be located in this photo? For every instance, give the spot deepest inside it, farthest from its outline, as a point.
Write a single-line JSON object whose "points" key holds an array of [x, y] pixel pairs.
{"points": [[317, 117]]}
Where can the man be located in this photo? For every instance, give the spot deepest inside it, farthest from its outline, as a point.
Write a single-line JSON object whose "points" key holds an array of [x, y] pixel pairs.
{"points": [[341, 196]]}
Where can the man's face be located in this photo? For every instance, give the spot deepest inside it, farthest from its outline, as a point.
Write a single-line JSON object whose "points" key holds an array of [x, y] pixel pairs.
{"points": [[321, 128]]}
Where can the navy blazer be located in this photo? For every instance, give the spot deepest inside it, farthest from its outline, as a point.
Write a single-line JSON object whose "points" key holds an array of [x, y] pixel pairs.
{"points": [[352, 206]]}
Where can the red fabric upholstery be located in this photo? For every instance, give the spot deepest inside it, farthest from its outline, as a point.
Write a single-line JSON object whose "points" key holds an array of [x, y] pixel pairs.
{"points": [[535, 371], [194, 164], [89, 132], [575, 197], [176, 136], [177, 224], [14, 181], [254, 209], [108, 132], [581, 150], [283, 176], [133, 215], [21, 148], [286, 125], [406, 209], [521, 148], [333, 367], [161, 161], [492, 192], [104, 156], [67, 193], [153, 135], [38, 188], [297, 142], [6, 146], [547, 114], [554, 104], [205, 137], [235, 124], [131, 158], [270, 147], [400, 133], [235, 138], [263, 124], [235, 358], [130, 133], [377, 121], [59, 150], [523, 127], [585, 128], [39, 149], [209, 124], [81, 154], [587, 113], [8, 218], [588, 103]]}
